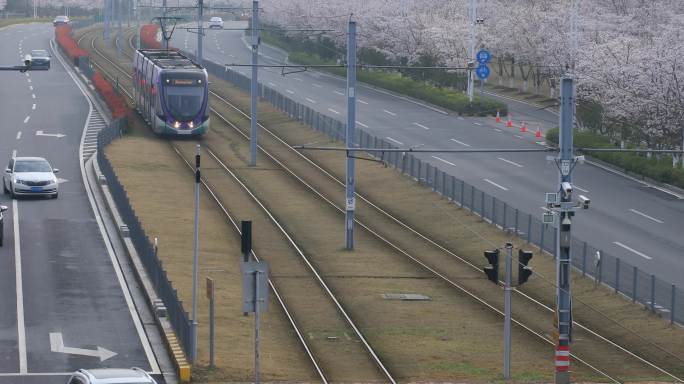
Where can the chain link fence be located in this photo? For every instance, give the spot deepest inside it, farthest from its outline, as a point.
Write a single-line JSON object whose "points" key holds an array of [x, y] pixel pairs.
{"points": [[657, 295]]}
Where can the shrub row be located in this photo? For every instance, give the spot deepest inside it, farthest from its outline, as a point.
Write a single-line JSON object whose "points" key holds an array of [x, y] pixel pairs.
{"points": [[658, 168], [148, 36], [116, 103], [68, 44]]}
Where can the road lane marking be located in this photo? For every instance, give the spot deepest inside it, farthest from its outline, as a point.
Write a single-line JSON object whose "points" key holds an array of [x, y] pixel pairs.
{"points": [[29, 80], [444, 161], [461, 118], [57, 345], [18, 135], [510, 162], [478, 124], [317, 85], [518, 136], [27, 119], [495, 184], [33, 96], [498, 130], [298, 78], [619, 244], [361, 124], [14, 153], [338, 93], [460, 142], [33, 107], [333, 111], [31, 87], [580, 189], [291, 92], [394, 141], [421, 125], [389, 112], [646, 216], [21, 328], [311, 101], [272, 84], [361, 101]]}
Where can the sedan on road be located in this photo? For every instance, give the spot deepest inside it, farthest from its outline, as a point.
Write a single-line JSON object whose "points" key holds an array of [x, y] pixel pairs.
{"points": [[39, 58], [26, 176], [60, 20]]}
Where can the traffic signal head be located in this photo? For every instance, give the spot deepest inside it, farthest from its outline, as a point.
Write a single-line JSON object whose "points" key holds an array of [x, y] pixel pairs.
{"points": [[524, 272], [492, 270]]}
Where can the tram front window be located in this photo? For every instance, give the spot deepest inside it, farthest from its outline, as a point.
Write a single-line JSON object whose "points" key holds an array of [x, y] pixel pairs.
{"points": [[184, 103]]}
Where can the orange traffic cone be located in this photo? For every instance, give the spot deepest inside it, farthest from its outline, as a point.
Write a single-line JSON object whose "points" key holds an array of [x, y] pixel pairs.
{"points": [[523, 127], [498, 116], [538, 134], [509, 122]]}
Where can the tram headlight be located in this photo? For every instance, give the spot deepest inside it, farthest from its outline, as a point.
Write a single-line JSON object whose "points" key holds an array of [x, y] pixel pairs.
{"points": [[191, 124], [176, 124]]}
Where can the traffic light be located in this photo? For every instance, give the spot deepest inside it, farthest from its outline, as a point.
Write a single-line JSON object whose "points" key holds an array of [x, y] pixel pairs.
{"points": [[492, 270], [524, 272]]}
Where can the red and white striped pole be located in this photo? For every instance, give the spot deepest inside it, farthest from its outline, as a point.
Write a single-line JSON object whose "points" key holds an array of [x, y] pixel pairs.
{"points": [[562, 358]]}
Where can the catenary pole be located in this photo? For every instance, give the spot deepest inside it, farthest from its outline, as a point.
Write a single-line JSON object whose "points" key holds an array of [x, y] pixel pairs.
{"points": [[107, 5], [119, 31], [200, 30], [166, 42], [471, 54], [351, 122], [195, 258], [563, 239], [254, 84], [507, 311]]}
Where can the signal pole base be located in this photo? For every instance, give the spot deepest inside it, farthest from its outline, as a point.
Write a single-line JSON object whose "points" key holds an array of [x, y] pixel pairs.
{"points": [[562, 378]]}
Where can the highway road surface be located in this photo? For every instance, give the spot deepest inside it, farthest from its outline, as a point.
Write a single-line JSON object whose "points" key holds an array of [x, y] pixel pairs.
{"points": [[628, 219], [64, 304]]}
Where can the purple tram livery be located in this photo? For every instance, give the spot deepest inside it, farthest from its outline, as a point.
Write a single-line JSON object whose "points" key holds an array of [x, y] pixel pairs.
{"points": [[171, 92]]}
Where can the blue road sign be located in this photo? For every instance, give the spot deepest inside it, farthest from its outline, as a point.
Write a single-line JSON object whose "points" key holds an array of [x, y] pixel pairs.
{"points": [[482, 71], [483, 56]]}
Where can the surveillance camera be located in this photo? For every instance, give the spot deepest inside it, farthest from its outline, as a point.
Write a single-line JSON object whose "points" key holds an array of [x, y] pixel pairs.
{"points": [[566, 187], [584, 201]]}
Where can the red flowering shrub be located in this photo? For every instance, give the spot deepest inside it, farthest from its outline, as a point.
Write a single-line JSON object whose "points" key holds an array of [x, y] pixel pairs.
{"points": [[148, 36], [68, 44], [116, 103]]}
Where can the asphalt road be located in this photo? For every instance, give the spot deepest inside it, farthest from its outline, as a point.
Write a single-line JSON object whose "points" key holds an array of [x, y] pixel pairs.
{"points": [[56, 275], [627, 219]]}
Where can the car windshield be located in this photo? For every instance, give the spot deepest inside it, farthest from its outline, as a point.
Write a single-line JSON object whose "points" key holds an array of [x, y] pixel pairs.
{"points": [[184, 103], [32, 166], [39, 53]]}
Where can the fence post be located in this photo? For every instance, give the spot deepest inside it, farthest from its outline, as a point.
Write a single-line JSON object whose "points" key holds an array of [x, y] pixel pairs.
{"points": [[600, 271], [462, 193], [541, 242], [503, 224], [493, 210], [516, 222], [444, 188], [483, 205], [472, 199], [634, 285], [453, 188], [403, 164], [529, 228], [617, 275], [653, 293], [672, 305], [584, 259], [412, 165]]}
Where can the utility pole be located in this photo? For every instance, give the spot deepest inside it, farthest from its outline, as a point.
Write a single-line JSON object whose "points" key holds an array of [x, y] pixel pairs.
{"points": [[136, 9], [195, 259], [351, 125], [471, 55], [563, 238], [200, 30], [107, 17], [254, 84], [119, 33], [35, 10], [166, 42], [507, 311]]}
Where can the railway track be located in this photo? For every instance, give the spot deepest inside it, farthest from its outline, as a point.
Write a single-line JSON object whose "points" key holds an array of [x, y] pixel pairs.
{"points": [[398, 247]]}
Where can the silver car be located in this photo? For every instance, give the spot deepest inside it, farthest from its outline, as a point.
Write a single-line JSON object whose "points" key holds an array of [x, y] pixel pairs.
{"points": [[26, 176], [39, 58], [111, 376]]}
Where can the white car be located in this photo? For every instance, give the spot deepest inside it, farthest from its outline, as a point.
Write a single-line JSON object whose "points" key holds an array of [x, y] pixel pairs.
{"points": [[111, 376], [60, 20], [216, 22], [27, 176]]}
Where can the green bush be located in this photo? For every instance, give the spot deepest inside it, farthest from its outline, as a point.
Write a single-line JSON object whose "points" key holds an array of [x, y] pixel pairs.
{"points": [[452, 100], [656, 168]]}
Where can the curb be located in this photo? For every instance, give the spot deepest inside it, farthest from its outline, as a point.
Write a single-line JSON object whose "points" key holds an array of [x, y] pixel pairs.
{"points": [[180, 361]]}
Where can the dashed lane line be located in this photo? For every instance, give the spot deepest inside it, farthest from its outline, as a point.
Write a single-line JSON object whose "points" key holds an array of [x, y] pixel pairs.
{"points": [[291, 92], [421, 126], [510, 162], [646, 216], [338, 93], [312, 101], [361, 124], [394, 140], [460, 142], [389, 112], [444, 161], [496, 185], [333, 111], [27, 119], [619, 244], [18, 135]]}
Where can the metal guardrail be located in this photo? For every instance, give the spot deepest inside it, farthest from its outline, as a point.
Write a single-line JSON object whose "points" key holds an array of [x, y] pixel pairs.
{"points": [[657, 295]]}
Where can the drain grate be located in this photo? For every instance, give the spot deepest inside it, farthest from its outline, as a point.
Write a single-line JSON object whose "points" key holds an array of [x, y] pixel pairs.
{"points": [[405, 296]]}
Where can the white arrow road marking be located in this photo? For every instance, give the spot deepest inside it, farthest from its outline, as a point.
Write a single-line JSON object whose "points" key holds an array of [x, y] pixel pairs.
{"points": [[41, 133], [619, 244], [57, 345]]}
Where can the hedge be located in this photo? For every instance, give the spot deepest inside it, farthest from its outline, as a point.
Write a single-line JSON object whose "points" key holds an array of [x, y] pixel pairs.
{"points": [[116, 103], [68, 44], [658, 168]]}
